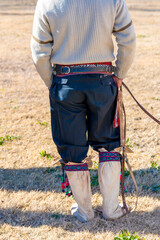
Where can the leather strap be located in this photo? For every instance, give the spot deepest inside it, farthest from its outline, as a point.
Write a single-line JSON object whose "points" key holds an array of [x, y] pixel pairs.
{"points": [[134, 181], [122, 118], [144, 110], [58, 70]]}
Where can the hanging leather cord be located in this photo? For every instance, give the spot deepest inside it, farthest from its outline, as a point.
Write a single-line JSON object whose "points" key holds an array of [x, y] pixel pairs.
{"points": [[122, 120], [122, 116], [144, 110], [134, 181], [127, 162]]}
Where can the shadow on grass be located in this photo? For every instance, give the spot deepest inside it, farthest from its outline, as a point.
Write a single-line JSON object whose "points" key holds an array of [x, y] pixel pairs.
{"points": [[141, 222], [49, 179], [36, 179]]}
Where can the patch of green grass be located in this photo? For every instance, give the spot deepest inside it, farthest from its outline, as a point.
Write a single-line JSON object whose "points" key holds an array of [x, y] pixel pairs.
{"points": [[155, 164], [126, 173], [45, 154], [155, 98], [155, 188], [94, 180], [11, 138], [124, 235], [58, 176], [55, 215], [141, 36], [145, 187], [128, 143], [8, 138], [131, 145], [53, 170], [95, 165], [43, 123], [50, 170], [2, 140], [142, 173]]}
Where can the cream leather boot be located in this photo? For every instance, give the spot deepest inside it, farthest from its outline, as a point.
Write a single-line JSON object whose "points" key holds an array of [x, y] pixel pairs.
{"points": [[79, 180], [109, 181]]}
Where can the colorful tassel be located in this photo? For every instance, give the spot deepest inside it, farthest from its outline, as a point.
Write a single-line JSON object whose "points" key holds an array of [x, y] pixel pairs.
{"points": [[65, 183]]}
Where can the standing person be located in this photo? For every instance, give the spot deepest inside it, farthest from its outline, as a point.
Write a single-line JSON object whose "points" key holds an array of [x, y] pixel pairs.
{"points": [[73, 51]]}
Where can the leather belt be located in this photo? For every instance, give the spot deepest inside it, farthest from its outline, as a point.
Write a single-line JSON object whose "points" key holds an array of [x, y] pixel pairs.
{"points": [[78, 69]]}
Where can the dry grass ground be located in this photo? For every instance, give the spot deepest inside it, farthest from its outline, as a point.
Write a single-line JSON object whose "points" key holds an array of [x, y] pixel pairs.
{"points": [[31, 203]]}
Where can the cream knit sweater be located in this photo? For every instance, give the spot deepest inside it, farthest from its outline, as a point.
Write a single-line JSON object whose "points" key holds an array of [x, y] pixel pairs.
{"points": [[80, 31]]}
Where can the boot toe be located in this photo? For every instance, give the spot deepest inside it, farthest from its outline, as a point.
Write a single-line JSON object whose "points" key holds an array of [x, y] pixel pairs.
{"points": [[118, 213], [75, 212], [80, 216]]}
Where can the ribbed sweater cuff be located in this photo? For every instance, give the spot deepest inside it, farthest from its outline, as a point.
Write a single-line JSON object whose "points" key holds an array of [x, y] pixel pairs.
{"points": [[120, 74]]}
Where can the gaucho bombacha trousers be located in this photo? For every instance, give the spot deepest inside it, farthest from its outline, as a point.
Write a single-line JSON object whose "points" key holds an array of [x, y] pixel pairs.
{"points": [[82, 113]]}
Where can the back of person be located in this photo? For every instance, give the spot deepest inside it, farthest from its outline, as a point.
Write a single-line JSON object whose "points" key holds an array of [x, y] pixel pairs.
{"points": [[81, 31], [72, 49]]}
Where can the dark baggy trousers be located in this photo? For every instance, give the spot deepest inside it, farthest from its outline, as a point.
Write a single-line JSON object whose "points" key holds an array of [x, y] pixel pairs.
{"points": [[82, 113]]}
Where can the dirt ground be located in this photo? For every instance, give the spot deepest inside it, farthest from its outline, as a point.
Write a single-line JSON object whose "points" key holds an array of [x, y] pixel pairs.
{"points": [[31, 203]]}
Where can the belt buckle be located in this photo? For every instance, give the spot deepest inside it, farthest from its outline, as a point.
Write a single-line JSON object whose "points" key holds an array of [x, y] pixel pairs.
{"points": [[65, 70]]}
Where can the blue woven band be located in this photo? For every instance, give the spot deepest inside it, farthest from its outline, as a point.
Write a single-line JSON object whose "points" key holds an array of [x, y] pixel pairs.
{"points": [[76, 167], [109, 157]]}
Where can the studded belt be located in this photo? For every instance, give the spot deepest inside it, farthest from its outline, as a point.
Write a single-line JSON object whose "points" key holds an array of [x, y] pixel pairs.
{"points": [[83, 68]]}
